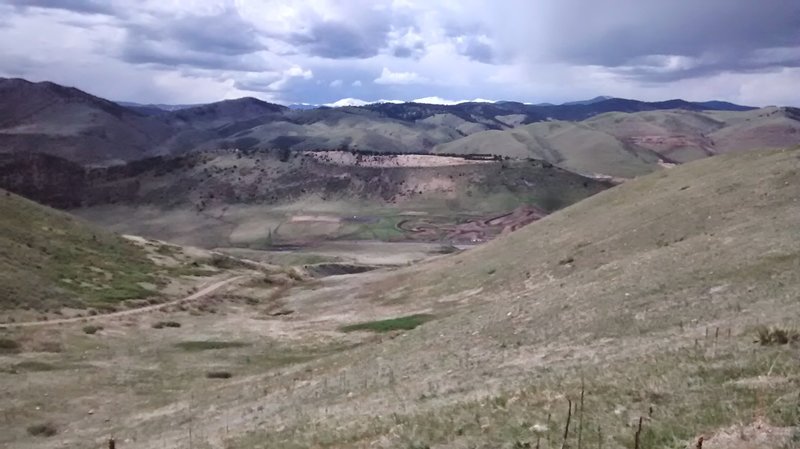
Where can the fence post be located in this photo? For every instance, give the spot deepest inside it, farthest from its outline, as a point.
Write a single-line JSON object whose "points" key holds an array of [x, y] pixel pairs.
{"points": [[564, 445]]}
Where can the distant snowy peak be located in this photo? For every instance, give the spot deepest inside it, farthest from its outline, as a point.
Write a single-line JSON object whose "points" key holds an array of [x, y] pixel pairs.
{"points": [[347, 102], [443, 101], [344, 102]]}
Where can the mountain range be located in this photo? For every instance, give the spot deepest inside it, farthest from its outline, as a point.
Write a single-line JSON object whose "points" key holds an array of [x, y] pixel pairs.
{"points": [[69, 123], [225, 275]]}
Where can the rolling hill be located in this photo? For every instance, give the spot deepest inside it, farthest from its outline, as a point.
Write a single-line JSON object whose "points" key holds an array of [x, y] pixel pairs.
{"points": [[68, 123], [46, 117], [49, 260], [648, 295], [215, 115], [622, 144], [249, 198], [571, 145]]}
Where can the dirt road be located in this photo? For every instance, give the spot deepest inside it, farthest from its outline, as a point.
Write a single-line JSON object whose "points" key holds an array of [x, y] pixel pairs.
{"points": [[194, 296]]}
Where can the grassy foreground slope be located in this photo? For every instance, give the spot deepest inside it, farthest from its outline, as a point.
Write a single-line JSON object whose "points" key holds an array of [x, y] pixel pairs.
{"points": [[49, 259], [652, 292]]}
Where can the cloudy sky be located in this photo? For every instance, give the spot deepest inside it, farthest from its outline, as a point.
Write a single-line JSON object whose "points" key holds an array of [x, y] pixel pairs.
{"points": [[319, 51]]}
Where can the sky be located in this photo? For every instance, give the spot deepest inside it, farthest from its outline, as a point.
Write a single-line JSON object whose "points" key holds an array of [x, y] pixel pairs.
{"points": [[321, 51]]}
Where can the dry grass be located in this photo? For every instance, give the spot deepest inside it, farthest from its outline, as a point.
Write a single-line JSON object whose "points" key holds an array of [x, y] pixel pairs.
{"points": [[206, 345], [655, 315]]}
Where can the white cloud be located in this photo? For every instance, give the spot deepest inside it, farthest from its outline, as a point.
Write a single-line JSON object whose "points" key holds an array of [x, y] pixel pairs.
{"points": [[299, 72], [288, 75], [297, 50], [389, 77]]}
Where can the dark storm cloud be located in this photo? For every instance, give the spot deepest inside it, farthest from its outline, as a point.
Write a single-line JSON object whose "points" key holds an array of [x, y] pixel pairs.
{"points": [[717, 35], [227, 33], [760, 61], [19, 65], [402, 51], [475, 49], [256, 85], [79, 6], [328, 49], [221, 41], [470, 41], [166, 57], [5, 16], [339, 40], [409, 51]]}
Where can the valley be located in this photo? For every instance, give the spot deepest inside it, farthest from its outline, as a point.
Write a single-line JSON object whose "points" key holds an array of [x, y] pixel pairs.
{"points": [[263, 199], [610, 273], [621, 307], [399, 224]]}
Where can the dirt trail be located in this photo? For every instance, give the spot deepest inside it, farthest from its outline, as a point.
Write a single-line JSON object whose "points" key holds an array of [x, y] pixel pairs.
{"points": [[194, 296]]}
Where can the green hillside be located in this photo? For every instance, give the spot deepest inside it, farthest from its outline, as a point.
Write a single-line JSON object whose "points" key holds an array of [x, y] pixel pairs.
{"points": [[49, 259]]}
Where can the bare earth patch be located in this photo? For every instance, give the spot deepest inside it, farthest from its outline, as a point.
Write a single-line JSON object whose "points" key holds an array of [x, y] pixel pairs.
{"points": [[389, 161], [315, 218]]}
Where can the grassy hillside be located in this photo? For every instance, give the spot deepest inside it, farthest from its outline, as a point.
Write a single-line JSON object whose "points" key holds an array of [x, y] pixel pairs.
{"points": [[49, 259], [651, 292], [763, 128], [64, 121], [627, 144], [260, 198], [650, 302], [574, 146], [726, 204]]}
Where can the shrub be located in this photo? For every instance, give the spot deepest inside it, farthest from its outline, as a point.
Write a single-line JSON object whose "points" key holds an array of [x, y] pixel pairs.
{"points": [[401, 323], [447, 249], [34, 365], [294, 275], [224, 262], [92, 329], [43, 430], [163, 324], [166, 250], [8, 346], [219, 375], [776, 336]]}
